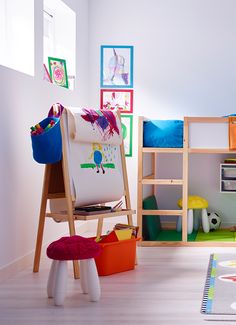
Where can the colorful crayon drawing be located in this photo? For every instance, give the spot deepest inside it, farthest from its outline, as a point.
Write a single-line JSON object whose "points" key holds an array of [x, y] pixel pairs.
{"points": [[102, 157], [105, 122], [127, 133], [117, 99], [117, 66], [58, 73]]}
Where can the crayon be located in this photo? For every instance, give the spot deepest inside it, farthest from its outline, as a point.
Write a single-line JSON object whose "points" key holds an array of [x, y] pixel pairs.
{"points": [[47, 127]]}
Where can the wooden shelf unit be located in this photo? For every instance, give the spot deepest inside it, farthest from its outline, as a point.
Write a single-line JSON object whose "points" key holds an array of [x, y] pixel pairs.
{"points": [[153, 181]]}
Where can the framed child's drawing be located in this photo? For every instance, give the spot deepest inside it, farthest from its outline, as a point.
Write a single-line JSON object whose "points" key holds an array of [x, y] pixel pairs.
{"points": [[127, 133], [121, 99], [58, 73], [116, 66]]}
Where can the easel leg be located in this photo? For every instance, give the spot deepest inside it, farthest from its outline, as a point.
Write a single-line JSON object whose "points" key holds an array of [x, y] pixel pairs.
{"points": [[99, 227], [39, 241], [72, 233], [130, 220]]}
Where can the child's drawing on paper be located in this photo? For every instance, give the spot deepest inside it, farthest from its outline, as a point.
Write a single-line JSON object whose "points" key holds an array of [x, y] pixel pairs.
{"points": [[97, 156], [117, 99], [116, 66], [102, 157], [104, 121]]}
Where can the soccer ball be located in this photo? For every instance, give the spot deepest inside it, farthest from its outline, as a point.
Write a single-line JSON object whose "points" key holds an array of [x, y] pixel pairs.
{"points": [[214, 220]]}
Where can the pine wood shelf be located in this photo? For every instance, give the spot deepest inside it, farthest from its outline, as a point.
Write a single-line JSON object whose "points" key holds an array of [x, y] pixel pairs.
{"points": [[153, 181]]}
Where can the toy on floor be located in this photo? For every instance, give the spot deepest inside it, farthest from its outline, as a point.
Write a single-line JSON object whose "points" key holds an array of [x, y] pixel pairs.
{"points": [[214, 220], [194, 203]]}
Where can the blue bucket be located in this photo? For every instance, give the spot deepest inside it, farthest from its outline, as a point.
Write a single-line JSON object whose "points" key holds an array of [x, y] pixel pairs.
{"points": [[47, 146]]}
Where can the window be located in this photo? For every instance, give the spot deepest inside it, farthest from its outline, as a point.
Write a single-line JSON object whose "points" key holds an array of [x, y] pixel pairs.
{"points": [[59, 36], [17, 35]]}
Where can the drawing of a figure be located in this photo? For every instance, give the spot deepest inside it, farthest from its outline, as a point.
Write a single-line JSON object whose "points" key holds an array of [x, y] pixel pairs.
{"points": [[116, 65], [97, 156]]}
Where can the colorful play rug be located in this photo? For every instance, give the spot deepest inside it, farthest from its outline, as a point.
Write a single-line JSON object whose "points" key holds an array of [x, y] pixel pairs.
{"points": [[219, 298]]}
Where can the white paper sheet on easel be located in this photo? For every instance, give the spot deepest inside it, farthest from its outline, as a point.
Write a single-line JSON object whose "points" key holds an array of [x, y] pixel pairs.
{"points": [[95, 168], [96, 172]]}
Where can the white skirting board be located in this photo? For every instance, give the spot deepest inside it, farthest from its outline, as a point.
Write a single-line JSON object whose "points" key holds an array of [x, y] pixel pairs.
{"points": [[21, 263]]}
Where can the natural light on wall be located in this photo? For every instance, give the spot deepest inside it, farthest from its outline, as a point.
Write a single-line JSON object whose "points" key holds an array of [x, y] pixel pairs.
{"points": [[17, 35], [59, 40]]}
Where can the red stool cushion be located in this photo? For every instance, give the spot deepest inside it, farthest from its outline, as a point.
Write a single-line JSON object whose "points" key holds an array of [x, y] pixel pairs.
{"points": [[73, 248]]}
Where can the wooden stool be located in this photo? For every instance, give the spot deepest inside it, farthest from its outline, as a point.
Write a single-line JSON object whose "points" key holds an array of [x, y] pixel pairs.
{"points": [[73, 248]]}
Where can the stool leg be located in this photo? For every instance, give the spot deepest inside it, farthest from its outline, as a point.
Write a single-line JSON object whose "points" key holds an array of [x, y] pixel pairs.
{"points": [[60, 283], [52, 279], [94, 289], [83, 276]]}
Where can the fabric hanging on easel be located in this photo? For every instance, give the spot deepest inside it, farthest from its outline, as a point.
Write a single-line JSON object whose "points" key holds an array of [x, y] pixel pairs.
{"points": [[95, 167]]}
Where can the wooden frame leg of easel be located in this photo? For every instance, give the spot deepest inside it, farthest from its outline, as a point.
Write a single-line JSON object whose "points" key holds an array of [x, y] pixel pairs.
{"points": [[42, 216], [72, 231], [130, 219], [99, 227]]}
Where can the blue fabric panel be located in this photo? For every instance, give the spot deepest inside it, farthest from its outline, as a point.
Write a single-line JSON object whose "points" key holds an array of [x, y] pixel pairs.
{"points": [[163, 134]]}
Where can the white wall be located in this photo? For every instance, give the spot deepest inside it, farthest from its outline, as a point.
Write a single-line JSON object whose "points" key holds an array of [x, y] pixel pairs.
{"points": [[17, 35], [184, 65], [26, 100]]}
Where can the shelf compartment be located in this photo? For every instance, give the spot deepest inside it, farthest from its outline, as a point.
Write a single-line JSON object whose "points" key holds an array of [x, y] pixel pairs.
{"points": [[229, 172], [228, 185]]}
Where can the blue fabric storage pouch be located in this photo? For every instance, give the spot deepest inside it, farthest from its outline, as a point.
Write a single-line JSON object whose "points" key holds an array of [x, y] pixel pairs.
{"points": [[163, 133], [47, 146]]}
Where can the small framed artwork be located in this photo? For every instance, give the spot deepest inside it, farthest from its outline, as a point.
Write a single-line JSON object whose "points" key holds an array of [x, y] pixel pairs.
{"points": [[58, 73], [127, 133], [117, 99], [116, 66]]}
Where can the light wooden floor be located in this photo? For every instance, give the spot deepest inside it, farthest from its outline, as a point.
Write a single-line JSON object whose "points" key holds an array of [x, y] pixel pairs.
{"points": [[165, 288]]}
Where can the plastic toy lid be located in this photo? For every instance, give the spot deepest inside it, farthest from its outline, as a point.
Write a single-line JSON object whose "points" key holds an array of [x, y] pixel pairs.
{"points": [[195, 202]]}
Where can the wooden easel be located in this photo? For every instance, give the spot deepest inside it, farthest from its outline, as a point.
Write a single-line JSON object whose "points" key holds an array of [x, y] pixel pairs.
{"points": [[56, 185]]}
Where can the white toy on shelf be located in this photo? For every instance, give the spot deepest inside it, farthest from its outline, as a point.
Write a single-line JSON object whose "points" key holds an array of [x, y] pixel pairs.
{"points": [[194, 203]]}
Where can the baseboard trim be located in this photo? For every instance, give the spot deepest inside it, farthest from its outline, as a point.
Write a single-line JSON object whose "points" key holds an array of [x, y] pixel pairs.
{"points": [[23, 262]]}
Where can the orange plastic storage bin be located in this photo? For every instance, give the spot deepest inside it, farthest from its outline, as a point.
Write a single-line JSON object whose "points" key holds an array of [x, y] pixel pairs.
{"points": [[116, 257]]}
